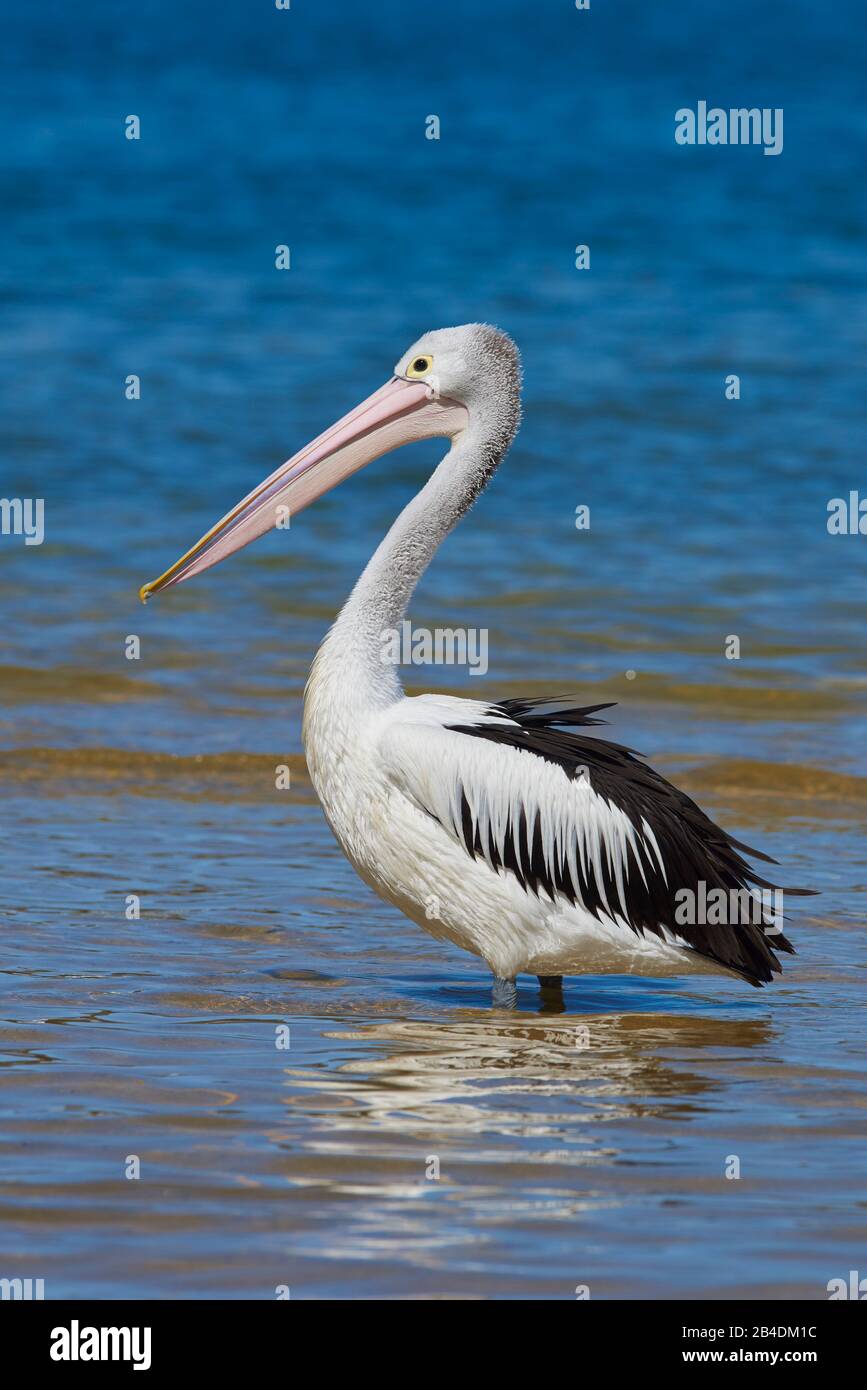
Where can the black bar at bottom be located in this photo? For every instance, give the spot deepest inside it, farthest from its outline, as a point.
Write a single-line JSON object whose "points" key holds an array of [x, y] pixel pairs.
{"points": [[226, 1338]]}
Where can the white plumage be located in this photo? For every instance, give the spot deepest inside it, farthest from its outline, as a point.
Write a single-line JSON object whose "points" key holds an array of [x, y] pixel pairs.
{"points": [[390, 783]]}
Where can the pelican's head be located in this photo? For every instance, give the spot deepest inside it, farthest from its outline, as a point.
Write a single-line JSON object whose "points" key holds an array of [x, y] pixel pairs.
{"points": [[444, 384], [474, 364]]}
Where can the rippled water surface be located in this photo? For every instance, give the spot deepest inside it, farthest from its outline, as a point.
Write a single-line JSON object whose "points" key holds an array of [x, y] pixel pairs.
{"points": [[587, 1146]]}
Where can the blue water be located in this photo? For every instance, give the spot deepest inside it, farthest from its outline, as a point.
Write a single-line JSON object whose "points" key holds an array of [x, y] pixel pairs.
{"points": [[156, 257]]}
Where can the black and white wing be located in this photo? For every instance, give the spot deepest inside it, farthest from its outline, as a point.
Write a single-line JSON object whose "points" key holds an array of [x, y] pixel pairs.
{"points": [[576, 818]]}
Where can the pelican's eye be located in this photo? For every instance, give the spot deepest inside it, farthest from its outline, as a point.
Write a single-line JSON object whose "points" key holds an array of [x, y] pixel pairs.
{"points": [[419, 366]]}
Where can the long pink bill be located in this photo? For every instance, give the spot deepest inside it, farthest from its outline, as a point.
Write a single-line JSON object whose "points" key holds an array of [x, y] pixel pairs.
{"points": [[398, 413]]}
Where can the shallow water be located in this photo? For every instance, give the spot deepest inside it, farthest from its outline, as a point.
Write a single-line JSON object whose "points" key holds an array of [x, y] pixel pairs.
{"points": [[566, 1157]]}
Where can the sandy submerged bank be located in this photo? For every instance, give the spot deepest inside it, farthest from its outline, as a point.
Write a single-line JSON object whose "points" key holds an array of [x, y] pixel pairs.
{"points": [[219, 777]]}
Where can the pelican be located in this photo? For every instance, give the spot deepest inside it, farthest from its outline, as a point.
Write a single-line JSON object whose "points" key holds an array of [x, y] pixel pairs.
{"points": [[491, 824]]}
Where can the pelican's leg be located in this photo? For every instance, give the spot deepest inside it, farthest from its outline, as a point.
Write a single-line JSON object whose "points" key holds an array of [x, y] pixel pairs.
{"points": [[504, 994], [551, 982]]}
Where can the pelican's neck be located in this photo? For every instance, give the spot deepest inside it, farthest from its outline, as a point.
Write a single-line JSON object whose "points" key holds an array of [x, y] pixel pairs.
{"points": [[354, 658]]}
